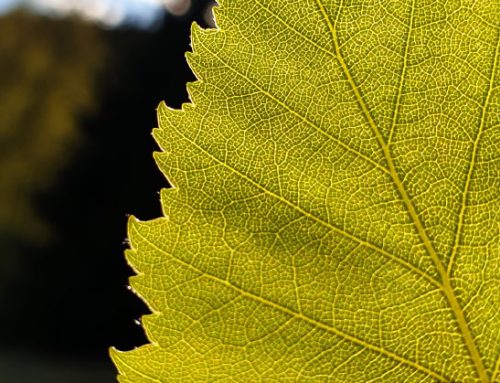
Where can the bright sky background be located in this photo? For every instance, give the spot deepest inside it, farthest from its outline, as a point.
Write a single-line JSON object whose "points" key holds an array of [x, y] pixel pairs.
{"points": [[111, 13]]}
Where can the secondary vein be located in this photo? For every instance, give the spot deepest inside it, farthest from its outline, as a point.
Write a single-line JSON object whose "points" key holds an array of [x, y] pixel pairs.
{"points": [[298, 115], [422, 232], [397, 106], [311, 216], [299, 316], [473, 160]]}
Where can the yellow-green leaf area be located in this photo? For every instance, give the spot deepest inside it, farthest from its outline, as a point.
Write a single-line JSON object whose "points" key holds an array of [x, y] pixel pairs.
{"points": [[335, 215]]}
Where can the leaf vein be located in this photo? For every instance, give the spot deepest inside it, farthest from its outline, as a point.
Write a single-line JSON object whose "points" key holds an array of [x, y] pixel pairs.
{"points": [[309, 215], [298, 115], [473, 160], [138, 372], [496, 372], [419, 226], [299, 316], [397, 106]]}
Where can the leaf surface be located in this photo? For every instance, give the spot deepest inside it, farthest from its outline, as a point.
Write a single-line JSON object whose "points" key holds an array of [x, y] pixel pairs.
{"points": [[335, 215]]}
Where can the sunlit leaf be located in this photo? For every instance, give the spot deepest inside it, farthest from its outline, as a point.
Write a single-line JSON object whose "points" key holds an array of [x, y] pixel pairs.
{"points": [[335, 215]]}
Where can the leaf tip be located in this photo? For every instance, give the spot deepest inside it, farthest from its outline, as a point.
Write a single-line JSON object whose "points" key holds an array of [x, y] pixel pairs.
{"points": [[132, 220]]}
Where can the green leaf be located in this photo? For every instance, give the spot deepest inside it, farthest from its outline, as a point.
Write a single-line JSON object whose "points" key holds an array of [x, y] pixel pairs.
{"points": [[335, 215]]}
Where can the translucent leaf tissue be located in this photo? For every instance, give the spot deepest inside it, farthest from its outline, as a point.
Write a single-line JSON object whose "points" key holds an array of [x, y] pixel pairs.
{"points": [[335, 209]]}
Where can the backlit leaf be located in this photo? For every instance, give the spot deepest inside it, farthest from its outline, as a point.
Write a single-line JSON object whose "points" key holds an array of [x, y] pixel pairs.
{"points": [[335, 215]]}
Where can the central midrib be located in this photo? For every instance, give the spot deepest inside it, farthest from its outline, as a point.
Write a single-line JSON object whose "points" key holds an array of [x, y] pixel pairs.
{"points": [[447, 287]]}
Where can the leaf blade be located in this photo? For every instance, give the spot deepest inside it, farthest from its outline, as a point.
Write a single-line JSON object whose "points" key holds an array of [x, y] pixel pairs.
{"points": [[254, 172]]}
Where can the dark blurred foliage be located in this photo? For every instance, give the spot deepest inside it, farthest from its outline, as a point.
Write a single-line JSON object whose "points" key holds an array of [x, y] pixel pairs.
{"points": [[76, 157], [48, 78]]}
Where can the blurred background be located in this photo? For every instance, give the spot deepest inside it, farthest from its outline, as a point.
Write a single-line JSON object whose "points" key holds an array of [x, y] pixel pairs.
{"points": [[79, 84]]}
